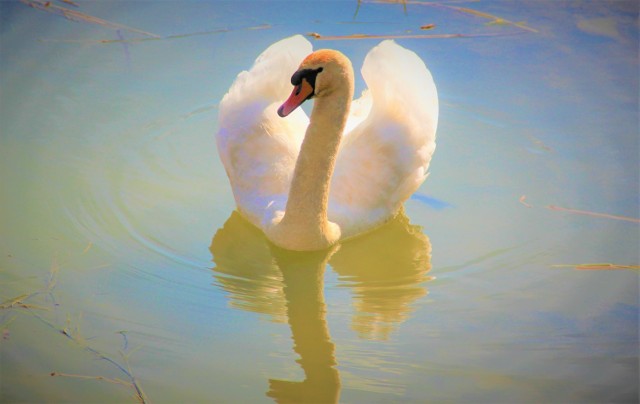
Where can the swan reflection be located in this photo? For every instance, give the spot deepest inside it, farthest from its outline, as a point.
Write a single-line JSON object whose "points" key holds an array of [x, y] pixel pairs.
{"points": [[386, 269]]}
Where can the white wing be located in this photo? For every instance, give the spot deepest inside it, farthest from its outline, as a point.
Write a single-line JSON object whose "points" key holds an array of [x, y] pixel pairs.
{"points": [[385, 157], [258, 148]]}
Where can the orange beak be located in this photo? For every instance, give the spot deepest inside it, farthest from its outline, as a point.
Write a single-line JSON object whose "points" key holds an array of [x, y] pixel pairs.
{"points": [[300, 94]]}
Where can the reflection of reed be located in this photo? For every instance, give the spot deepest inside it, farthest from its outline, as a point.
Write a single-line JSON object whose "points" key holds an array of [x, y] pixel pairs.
{"points": [[386, 269]]}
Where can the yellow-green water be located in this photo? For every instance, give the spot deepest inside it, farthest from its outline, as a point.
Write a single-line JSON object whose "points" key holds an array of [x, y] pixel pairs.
{"points": [[124, 271]]}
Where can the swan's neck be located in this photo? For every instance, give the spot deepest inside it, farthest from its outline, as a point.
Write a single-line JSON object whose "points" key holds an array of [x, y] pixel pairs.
{"points": [[305, 225]]}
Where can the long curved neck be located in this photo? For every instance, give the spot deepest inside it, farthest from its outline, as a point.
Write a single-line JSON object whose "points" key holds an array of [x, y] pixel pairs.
{"points": [[309, 193], [305, 220]]}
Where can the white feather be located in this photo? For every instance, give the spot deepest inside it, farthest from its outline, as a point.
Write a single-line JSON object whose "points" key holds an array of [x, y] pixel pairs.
{"points": [[384, 155], [258, 148]]}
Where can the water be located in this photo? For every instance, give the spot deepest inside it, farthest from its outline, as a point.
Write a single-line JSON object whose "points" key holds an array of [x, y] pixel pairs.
{"points": [[123, 266]]}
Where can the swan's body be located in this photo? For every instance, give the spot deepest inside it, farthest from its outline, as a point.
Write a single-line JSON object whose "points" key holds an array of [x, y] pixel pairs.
{"points": [[308, 183]]}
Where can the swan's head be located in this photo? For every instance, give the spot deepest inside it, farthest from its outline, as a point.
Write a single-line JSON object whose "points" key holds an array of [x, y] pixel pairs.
{"points": [[319, 75]]}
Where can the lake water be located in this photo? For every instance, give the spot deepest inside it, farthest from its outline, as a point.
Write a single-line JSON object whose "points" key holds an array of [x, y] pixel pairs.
{"points": [[125, 274]]}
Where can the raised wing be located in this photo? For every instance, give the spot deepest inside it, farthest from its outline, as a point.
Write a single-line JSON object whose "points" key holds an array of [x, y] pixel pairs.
{"points": [[385, 157], [258, 148]]}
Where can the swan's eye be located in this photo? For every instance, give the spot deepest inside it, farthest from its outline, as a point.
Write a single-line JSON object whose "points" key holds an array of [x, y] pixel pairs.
{"points": [[309, 74], [296, 79]]}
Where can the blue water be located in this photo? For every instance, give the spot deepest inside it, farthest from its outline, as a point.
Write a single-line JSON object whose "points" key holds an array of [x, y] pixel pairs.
{"points": [[121, 257]]}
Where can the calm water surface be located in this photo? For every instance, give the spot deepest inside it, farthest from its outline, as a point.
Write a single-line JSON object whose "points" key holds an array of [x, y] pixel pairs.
{"points": [[125, 273]]}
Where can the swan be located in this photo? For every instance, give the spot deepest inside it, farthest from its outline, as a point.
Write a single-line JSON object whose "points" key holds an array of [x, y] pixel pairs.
{"points": [[309, 182]]}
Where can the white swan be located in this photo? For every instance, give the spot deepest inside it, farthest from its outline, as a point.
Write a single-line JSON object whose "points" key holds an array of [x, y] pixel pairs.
{"points": [[308, 183]]}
